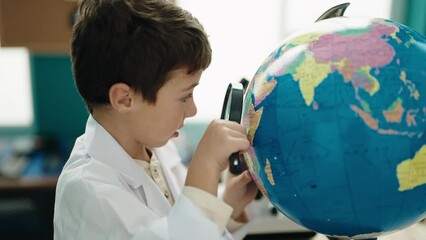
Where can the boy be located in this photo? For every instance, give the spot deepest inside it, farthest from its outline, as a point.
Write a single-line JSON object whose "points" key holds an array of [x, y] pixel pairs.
{"points": [[136, 64]]}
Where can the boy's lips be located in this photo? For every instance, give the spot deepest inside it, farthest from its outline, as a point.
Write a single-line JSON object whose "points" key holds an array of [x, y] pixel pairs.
{"points": [[176, 134]]}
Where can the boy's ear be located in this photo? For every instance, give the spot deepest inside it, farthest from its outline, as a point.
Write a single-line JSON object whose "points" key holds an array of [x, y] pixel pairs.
{"points": [[121, 96]]}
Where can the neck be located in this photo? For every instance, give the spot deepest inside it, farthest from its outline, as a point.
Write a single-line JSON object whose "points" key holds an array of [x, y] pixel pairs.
{"points": [[117, 128]]}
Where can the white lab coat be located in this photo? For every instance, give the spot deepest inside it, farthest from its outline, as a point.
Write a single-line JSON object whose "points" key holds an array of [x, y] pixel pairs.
{"points": [[103, 194]]}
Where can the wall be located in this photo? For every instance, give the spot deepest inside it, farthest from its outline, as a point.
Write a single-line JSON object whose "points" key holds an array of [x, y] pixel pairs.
{"points": [[40, 25], [59, 110]]}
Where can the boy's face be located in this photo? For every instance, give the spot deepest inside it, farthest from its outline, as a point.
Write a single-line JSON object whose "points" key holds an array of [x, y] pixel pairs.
{"points": [[155, 124]]}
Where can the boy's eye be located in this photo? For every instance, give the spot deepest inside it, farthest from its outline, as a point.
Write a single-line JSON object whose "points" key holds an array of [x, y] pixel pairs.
{"points": [[186, 98]]}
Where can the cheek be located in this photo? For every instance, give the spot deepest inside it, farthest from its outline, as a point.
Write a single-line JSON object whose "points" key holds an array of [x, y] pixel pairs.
{"points": [[174, 116], [178, 116]]}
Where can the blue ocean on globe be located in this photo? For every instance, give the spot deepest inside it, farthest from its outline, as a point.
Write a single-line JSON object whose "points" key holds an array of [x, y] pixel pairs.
{"points": [[336, 117]]}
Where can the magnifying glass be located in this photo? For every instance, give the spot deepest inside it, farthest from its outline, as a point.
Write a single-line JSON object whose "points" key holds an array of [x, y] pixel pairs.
{"points": [[232, 110]]}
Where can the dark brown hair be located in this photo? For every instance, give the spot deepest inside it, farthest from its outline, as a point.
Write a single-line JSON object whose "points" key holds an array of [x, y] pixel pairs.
{"points": [[137, 42]]}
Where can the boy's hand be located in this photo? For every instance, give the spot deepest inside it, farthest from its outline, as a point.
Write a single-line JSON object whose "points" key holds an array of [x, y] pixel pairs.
{"points": [[239, 192], [221, 139]]}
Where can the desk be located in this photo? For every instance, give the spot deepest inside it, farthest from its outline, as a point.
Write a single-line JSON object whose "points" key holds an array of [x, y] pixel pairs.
{"points": [[28, 183], [26, 208], [414, 232]]}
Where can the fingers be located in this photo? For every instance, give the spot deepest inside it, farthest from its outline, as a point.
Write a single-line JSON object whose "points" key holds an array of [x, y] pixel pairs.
{"points": [[234, 134], [243, 179], [246, 178], [233, 125], [240, 144], [237, 132], [220, 140]]}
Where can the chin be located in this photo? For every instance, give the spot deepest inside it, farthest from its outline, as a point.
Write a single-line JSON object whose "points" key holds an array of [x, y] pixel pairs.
{"points": [[163, 141], [159, 144]]}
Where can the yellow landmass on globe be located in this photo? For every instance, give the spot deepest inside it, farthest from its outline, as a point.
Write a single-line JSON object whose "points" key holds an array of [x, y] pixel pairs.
{"points": [[252, 120], [262, 88], [304, 39], [410, 42], [411, 173], [268, 172], [253, 167], [310, 74], [414, 93], [249, 161]]}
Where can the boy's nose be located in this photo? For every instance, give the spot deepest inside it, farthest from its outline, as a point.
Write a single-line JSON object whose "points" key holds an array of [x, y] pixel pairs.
{"points": [[191, 110]]}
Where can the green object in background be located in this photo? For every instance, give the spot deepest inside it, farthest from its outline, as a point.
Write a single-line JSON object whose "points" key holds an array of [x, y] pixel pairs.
{"points": [[415, 15], [59, 111]]}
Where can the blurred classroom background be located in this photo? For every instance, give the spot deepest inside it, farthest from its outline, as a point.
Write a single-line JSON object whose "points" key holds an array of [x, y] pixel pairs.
{"points": [[41, 112]]}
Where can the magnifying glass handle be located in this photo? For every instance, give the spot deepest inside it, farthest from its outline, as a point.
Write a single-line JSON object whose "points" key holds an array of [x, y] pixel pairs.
{"points": [[235, 165], [231, 110]]}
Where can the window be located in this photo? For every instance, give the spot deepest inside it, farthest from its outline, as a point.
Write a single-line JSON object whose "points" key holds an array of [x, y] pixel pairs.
{"points": [[243, 33], [16, 107]]}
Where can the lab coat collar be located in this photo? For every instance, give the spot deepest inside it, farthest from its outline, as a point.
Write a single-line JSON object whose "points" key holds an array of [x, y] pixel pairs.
{"points": [[103, 147]]}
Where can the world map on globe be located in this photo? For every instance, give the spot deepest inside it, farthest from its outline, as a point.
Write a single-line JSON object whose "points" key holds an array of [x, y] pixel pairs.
{"points": [[336, 118]]}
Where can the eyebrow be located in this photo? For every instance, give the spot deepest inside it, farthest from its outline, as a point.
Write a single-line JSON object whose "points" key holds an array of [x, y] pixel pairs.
{"points": [[190, 87]]}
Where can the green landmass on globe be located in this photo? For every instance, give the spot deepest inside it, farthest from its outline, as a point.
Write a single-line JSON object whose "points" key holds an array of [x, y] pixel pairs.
{"points": [[336, 117]]}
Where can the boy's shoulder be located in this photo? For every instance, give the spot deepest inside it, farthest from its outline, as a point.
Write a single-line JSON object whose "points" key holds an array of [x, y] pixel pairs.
{"points": [[84, 171]]}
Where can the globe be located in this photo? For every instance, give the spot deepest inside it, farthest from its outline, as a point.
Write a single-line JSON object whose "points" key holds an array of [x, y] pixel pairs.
{"points": [[336, 118]]}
